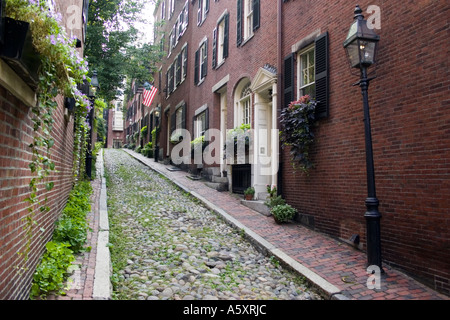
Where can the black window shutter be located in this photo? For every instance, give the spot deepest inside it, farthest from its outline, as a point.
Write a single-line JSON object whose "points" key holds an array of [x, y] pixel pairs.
{"points": [[226, 35], [256, 14], [183, 116], [206, 119], [205, 63], [178, 71], [289, 74], [173, 122], [239, 23], [214, 49], [167, 83], [197, 65], [185, 60], [322, 82]]}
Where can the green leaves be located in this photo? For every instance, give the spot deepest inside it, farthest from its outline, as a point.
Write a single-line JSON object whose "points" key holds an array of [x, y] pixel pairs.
{"points": [[69, 237], [297, 121]]}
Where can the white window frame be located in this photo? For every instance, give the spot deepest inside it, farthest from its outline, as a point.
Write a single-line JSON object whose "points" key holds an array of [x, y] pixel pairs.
{"points": [[309, 68], [248, 19], [179, 119], [163, 10], [200, 124], [220, 42], [244, 106], [171, 8], [201, 12], [203, 60]]}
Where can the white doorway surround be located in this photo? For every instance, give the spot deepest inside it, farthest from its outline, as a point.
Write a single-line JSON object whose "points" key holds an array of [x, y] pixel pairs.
{"points": [[265, 137]]}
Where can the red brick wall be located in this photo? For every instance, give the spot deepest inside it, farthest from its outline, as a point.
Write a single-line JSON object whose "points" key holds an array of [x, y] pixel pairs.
{"points": [[16, 133], [410, 125], [410, 120]]}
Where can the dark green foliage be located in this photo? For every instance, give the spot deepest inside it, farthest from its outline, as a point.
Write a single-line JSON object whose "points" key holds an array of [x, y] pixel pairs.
{"points": [[69, 237], [297, 121]]}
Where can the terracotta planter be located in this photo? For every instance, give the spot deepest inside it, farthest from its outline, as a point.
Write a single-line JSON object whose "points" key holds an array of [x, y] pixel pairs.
{"points": [[248, 197], [277, 221]]}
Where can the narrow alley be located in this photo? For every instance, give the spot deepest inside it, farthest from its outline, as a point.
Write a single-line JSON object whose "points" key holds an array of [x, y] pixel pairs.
{"points": [[166, 245]]}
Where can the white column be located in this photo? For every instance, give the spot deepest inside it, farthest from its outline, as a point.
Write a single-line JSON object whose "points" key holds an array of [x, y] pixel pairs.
{"points": [[275, 136]]}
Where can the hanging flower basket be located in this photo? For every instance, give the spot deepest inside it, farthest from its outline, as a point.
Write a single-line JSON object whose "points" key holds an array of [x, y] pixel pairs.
{"points": [[298, 121], [18, 51]]}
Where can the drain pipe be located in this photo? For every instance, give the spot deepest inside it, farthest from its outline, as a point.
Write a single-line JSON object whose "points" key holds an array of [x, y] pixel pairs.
{"points": [[279, 84]]}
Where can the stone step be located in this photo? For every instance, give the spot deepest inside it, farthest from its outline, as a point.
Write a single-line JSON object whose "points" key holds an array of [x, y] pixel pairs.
{"points": [[219, 179], [263, 196], [257, 205], [217, 186]]}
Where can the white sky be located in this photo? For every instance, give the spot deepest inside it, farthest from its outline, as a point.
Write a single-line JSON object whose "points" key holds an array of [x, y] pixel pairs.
{"points": [[147, 28]]}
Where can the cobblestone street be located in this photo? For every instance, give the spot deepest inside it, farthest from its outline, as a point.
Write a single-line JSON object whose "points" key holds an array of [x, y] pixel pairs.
{"points": [[166, 245]]}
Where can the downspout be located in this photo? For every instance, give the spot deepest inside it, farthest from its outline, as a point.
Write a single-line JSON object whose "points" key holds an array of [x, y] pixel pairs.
{"points": [[279, 83]]}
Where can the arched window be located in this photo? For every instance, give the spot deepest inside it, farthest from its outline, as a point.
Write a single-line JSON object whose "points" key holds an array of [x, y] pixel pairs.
{"points": [[243, 103]]}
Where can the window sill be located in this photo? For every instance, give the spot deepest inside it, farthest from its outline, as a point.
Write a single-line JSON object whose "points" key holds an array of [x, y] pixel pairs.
{"points": [[200, 82], [220, 64], [247, 40]]}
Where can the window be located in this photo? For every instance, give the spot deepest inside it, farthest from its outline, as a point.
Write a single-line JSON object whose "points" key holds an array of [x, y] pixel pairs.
{"points": [[201, 121], [201, 59], [177, 71], [306, 72], [200, 125], [245, 105], [163, 10], [312, 75], [172, 40], [203, 8], [171, 8], [220, 41], [248, 19], [179, 119]]}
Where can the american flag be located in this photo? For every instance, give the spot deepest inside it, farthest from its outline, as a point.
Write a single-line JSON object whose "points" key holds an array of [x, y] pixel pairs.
{"points": [[149, 95]]}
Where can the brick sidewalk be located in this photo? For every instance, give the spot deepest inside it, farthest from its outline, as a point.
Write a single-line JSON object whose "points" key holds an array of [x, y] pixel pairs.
{"points": [[80, 285], [336, 262]]}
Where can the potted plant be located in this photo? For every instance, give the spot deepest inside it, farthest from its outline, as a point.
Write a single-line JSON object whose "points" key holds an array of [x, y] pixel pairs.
{"points": [[283, 213], [249, 193], [297, 121]]}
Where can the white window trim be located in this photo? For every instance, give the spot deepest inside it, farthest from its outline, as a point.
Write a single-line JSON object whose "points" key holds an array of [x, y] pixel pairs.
{"points": [[200, 62], [247, 20], [300, 70]]}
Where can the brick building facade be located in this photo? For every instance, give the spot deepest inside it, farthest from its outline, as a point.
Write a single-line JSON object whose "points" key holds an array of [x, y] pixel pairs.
{"points": [[229, 64], [16, 134]]}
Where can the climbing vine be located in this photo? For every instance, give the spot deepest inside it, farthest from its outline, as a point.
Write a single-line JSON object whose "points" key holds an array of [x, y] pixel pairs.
{"points": [[61, 69]]}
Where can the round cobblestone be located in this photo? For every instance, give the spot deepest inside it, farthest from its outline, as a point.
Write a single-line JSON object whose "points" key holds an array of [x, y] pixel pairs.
{"points": [[166, 245]]}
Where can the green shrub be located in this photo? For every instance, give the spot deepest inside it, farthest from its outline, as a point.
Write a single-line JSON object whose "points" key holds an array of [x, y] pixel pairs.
{"points": [[50, 273], [283, 213], [69, 237], [148, 150], [274, 201]]}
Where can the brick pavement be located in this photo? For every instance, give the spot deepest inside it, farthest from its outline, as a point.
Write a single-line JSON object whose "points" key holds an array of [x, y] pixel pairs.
{"points": [[80, 285], [338, 263]]}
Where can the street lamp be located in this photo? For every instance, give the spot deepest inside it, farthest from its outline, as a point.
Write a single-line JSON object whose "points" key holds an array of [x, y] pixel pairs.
{"points": [[92, 90], [157, 114], [361, 46]]}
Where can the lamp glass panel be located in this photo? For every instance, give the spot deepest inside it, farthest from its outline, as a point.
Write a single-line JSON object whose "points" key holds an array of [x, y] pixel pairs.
{"points": [[367, 52], [353, 54]]}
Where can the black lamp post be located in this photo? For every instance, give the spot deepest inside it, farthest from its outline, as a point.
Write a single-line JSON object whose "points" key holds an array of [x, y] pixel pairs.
{"points": [[157, 115], [361, 46], [94, 84]]}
